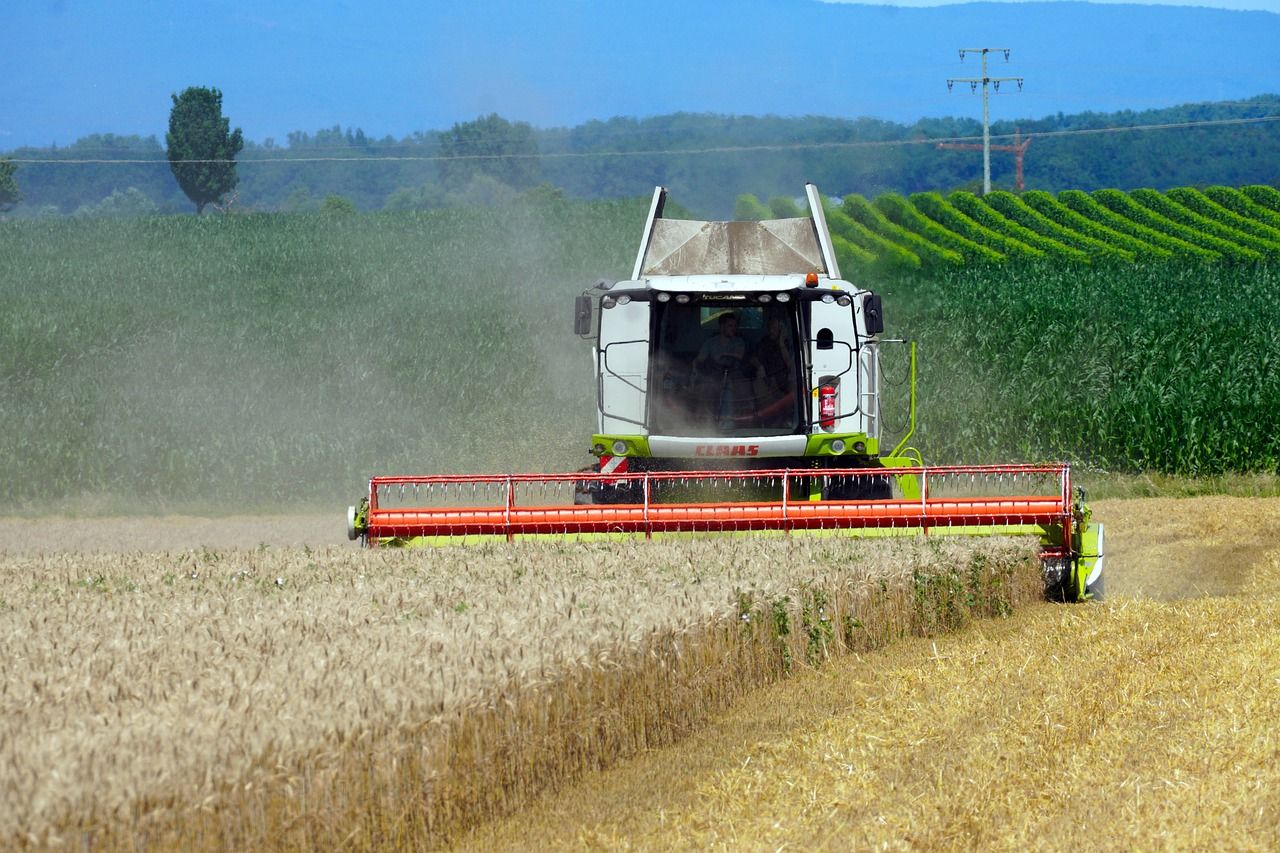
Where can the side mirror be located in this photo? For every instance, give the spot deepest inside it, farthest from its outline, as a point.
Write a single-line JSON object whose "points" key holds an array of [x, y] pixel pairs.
{"points": [[873, 313], [582, 315]]}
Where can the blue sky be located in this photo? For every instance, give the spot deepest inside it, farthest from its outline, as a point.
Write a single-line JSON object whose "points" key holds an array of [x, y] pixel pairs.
{"points": [[1234, 5], [74, 67]]}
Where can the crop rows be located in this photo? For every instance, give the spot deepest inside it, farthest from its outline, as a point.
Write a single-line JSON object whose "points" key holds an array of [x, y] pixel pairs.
{"points": [[277, 361], [298, 698], [929, 230], [1163, 366]]}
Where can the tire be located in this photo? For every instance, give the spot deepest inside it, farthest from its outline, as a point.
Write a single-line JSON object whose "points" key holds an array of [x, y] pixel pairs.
{"points": [[1058, 587], [858, 489], [1057, 581], [629, 492]]}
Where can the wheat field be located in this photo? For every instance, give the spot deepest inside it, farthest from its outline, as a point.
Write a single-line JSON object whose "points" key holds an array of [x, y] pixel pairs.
{"points": [[254, 693], [288, 696]]}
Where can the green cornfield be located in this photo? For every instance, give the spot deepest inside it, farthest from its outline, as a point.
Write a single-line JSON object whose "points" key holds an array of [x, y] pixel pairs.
{"points": [[1163, 366], [277, 360], [928, 230]]}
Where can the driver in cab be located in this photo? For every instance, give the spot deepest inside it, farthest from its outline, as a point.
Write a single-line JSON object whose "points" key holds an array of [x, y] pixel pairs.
{"points": [[725, 350]]}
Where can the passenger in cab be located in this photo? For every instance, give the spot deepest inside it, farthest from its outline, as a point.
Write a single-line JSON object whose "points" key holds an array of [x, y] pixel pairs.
{"points": [[772, 365], [720, 362]]}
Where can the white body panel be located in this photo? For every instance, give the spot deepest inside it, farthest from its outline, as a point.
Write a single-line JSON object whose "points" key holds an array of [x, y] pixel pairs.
{"points": [[623, 368], [741, 447], [832, 359]]}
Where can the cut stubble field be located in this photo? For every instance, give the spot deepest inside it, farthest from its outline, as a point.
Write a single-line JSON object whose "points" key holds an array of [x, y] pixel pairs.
{"points": [[1144, 721]]}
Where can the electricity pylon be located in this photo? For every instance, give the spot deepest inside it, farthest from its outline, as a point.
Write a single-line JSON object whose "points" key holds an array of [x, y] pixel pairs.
{"points": [[986, 112]]}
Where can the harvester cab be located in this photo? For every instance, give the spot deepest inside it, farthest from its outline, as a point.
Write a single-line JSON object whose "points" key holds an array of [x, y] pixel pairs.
{"points": [[738, 390], [737, 345]]}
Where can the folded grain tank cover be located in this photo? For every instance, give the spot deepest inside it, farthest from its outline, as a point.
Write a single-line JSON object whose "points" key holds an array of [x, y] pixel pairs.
{"points": [[771, 247]]}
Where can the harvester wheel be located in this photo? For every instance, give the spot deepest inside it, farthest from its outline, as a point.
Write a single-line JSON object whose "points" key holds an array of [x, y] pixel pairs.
{"points": [[1057, 581], [582, 488], [858, 489], [1058, 585], [586, 493], [628, 492]]}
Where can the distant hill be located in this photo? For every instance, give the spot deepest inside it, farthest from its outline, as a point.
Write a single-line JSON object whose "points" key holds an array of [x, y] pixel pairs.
{"points": [[707, 160]]}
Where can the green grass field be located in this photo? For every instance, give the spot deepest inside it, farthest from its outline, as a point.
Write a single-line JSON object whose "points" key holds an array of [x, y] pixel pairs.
{"points": [[249, 361], [276, 361]]}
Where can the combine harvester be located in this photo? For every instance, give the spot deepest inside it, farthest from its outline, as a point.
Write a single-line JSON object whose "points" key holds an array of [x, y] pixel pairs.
{"points": [[738, 390]]}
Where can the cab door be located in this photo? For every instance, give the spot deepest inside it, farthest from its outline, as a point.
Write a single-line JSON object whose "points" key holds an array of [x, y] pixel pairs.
{"points": [[622, 365], [834, 395]]}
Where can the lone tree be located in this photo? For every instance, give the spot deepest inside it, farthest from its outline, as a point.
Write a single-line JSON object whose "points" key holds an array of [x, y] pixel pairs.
{"points": [[9, 192], [202, 148], [493, 146]]}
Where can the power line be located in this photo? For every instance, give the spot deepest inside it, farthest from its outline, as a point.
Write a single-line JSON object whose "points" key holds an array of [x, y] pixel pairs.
{"points": [[655, 152], [559, 133]]}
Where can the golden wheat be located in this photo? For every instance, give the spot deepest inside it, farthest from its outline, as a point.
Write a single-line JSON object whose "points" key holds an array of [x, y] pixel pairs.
{"points": [[291, 697]]}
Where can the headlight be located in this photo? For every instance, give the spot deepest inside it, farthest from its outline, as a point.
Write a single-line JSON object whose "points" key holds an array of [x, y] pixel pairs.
{"points": [[828, 298], [783, 297], [837, 446], [860, 446], [619, 448], [843, 301], [765, 297], [682, 298], [608, 302], [624, 299], [663, 297]]}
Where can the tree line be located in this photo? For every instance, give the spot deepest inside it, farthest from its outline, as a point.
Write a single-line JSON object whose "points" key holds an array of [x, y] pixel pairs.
{"points": [[708, 160]]}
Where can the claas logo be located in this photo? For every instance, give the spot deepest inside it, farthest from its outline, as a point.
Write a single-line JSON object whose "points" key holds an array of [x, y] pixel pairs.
{"points": [[726, 450]]}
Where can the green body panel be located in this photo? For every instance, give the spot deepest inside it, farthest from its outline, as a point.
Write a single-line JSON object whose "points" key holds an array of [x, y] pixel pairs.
{"points": [[1087, 544], [637, 445], [908, 484], [817, 445]]}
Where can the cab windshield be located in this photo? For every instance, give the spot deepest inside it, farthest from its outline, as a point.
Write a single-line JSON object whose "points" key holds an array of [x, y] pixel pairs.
{"points": [[725, 368]]}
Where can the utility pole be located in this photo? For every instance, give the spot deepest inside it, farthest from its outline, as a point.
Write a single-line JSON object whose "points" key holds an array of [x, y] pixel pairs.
{"points": [[986, 112], [1019, 148]]}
